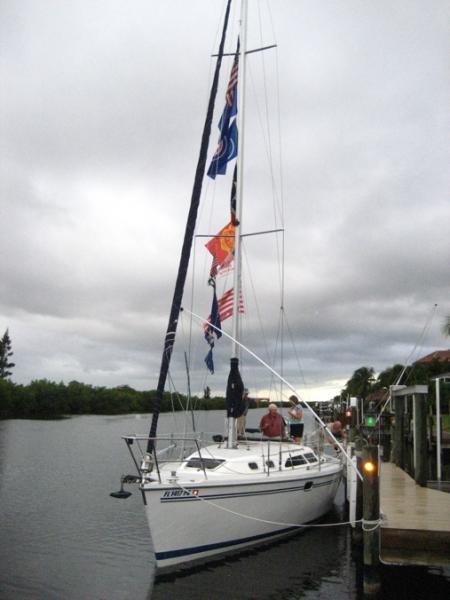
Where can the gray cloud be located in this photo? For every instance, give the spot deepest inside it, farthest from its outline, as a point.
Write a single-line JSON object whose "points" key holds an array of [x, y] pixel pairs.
{"points": [[101, 117]]}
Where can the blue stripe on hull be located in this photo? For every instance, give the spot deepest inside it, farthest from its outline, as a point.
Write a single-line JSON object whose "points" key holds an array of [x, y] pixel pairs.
{"points": [[220, 545]]}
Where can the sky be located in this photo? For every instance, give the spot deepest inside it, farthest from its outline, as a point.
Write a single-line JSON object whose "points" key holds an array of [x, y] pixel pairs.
{"points": [[102, 106]]}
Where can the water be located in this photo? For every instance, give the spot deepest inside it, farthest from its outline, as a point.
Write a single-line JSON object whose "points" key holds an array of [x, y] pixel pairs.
{"points": [[64, 538]]}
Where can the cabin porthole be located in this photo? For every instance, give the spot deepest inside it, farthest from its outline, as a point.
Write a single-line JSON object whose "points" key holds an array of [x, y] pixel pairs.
{"points": [[308, 485], [253, 466]]}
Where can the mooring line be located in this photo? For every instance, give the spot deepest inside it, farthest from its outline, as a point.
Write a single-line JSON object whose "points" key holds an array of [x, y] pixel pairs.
{"points": [[237, 514]]}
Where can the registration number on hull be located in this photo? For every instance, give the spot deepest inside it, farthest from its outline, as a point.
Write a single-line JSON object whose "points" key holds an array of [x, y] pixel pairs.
{"points": [[178, 494]]}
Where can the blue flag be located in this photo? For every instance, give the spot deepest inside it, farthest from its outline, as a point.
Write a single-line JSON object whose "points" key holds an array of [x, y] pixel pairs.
{"points": [[209, 361], [227, 147], [226, 151]]}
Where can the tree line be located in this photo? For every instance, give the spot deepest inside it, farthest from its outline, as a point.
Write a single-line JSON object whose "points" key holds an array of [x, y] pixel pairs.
{"points": [[47, 399], [363, 381], [43, 399]]}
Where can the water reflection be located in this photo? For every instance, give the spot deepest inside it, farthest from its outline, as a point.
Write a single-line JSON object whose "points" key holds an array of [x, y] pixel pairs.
{"points": [[315, 559], [64, 538]]}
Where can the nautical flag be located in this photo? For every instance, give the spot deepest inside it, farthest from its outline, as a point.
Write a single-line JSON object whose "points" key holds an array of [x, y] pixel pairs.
{"points": [[221, 309], [209, 361], [221, 247], [213, 319], [210, 332], [228, 140]]}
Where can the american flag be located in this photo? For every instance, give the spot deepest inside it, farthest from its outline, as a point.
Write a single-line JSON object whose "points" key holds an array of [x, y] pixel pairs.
{"points": [[225, 305], [231, 89]]}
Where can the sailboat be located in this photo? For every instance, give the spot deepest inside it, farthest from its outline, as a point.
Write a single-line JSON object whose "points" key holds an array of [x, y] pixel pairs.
{"points": [[230, 492]]}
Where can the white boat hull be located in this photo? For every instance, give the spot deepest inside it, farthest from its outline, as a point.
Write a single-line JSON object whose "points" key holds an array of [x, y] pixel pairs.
{"points": [[190, 522]]}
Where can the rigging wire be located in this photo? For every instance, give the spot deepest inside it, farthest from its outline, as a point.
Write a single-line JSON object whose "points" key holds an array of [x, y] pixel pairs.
{"points": [[419, 342], [271, 356], [210, 190], [294, 347], [291, 387], [276, 194], [426, 326]]}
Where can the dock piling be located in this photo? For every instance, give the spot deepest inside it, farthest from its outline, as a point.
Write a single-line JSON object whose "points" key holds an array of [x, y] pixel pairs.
{"points": [[371, 517]]}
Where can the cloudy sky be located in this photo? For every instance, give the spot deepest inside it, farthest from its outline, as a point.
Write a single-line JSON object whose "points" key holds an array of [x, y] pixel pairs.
{"points": [[102, 105]]}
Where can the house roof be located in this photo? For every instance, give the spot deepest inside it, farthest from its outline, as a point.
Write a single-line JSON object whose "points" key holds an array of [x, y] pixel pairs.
{"points": [[440, 355]]}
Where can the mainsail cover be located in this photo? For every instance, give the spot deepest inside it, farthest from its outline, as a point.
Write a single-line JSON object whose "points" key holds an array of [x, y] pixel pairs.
{"points": [[235, 390]]}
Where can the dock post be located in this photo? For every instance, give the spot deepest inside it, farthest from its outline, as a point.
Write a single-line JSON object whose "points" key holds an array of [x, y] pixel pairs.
{"points": [[398, 432], [357, 536], [371, 517], [420, 439]]}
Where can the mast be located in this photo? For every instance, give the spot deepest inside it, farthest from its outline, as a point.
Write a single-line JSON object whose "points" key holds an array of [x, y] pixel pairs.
{"points": [[169, 339], [235, 385], [237, 275]]}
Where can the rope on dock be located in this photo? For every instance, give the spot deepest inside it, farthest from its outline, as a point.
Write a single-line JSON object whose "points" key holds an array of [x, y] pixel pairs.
{"points": [[370, 525]]}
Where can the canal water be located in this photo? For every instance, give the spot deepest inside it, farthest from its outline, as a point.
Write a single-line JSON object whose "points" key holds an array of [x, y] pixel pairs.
{"points": [[64, 538]]}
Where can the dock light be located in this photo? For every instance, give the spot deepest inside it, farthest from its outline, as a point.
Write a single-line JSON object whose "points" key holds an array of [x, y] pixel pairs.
{"points": [[371, 420], [369, 467], [350, 417]]}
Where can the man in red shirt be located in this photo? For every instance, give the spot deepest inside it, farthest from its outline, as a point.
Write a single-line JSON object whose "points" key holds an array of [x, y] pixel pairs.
{"points": [[272, 424]]}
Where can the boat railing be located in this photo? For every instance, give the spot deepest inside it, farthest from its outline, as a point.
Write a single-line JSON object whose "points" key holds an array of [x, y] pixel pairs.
{"points": [[276, 451], [178, 447]]}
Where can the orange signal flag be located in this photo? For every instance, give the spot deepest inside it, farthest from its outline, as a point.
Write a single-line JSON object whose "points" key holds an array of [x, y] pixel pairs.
{"points": [[221, 247]]}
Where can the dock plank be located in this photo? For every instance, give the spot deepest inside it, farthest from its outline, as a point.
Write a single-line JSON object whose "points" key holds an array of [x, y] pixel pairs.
{"points": [[415, 526], [407, 505]]}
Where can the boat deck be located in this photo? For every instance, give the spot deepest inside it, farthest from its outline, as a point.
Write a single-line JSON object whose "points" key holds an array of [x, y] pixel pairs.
{"points": [[416, 521]]}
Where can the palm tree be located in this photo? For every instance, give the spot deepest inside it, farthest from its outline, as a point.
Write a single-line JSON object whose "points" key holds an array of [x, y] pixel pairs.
{"points": [[361, 382]]}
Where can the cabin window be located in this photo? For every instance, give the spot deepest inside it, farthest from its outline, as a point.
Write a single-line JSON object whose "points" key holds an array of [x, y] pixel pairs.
{"points": [[293, 461], [270, 464], [253, 466], [205, 463], [310, 457], [308, 485]]}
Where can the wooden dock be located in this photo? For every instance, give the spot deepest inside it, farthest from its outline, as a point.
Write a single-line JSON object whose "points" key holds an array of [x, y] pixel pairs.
{"points": [[415, 527]]}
